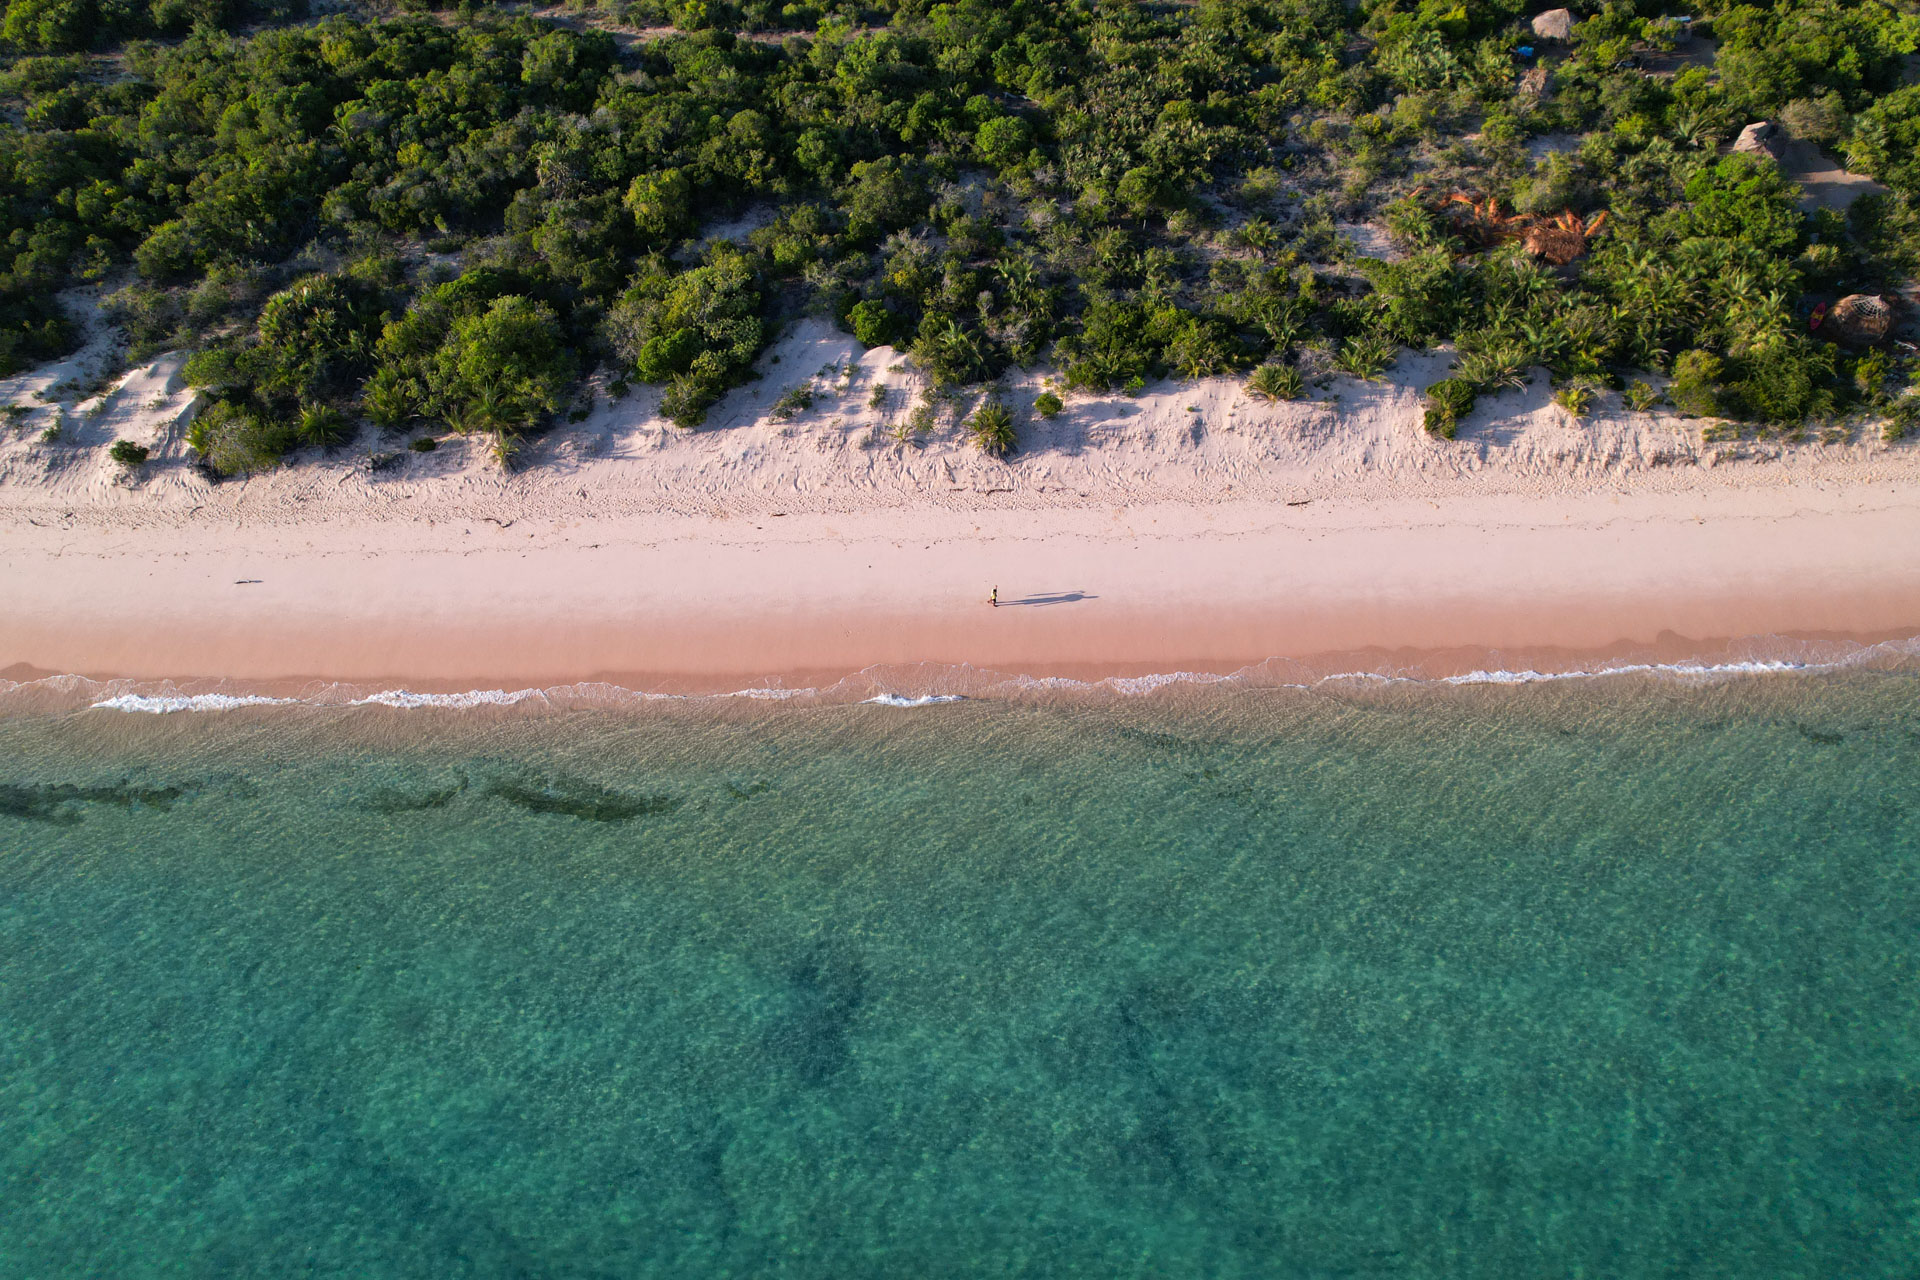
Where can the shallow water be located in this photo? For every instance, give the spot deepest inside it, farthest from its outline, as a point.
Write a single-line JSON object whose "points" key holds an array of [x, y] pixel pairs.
{"points": [[1613, 979]]}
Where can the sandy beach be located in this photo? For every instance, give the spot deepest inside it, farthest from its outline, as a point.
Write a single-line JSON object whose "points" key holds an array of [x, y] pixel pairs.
{"points": [[1189, 528]]}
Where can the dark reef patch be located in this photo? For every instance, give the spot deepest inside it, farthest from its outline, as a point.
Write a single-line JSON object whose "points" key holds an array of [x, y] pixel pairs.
{"points": [[576, 799], [823, 994], [58, 803], [388, 801]]}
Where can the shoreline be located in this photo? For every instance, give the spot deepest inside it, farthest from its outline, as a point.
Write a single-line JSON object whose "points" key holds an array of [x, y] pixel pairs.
{"points": [[1190, 528], [693, 605], [28, 691]]}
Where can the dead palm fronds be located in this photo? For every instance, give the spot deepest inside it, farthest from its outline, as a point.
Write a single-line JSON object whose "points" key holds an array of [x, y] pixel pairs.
{"points": [[1560, 240], [1480, 222]]}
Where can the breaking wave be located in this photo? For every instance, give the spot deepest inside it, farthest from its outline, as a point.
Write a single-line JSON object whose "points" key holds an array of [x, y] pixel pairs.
{"points": [[163, 704], [934, 685]]}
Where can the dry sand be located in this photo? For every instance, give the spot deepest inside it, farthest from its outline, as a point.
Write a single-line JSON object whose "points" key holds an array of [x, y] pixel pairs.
{"points": [[1186, 528]]}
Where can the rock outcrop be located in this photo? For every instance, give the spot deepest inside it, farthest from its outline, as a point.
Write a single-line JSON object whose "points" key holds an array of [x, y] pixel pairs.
{"points": [[1554, 24], [1760, 138]]}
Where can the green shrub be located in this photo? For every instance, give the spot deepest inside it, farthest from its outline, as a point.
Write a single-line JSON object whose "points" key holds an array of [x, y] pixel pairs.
{"points": [[1202, 347], [1272, 382], [1366, 356], [797, 400], [696, 331], [1047, 404], [1493, 368], [391, 398], [1641, 396], [1786, 384], [872, 324], [502, 368], [1746, 198], [1003, 141], [1886, 140], [323, 427], [1903, 419], [991, 428], [685, 401], [234, 439], [1448, 401], [127, 453], [1870, 375], [1696, 388], [878, 397], [1576, 398], [425, 444]]}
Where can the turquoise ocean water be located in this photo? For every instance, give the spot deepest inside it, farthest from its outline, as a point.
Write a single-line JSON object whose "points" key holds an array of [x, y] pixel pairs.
{"points": [[1608, 978]]}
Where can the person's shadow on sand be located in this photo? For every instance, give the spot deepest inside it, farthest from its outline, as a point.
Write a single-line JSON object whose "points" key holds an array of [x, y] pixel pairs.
{"points": [[1049, 597]]}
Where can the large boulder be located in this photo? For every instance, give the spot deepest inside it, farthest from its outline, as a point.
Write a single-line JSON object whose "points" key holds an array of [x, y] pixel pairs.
{"points": [[1554, 24], [1760, 139], [1860, 317]]}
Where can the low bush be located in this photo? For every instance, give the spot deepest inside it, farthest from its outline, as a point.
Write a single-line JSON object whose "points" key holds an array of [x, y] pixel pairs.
{"points": [[1576, 398], [1047, 404], [797, 400], [1695, 388], [323, 427], [234, 439], [991, 428], [1276, 382], [1493, 368], [425, 444], [1366, 356], [127, 453], [1448, 400], [1903, 420]]}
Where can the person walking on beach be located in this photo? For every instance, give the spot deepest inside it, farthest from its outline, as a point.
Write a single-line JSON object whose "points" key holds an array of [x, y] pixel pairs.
{"points": [[994, 598]]}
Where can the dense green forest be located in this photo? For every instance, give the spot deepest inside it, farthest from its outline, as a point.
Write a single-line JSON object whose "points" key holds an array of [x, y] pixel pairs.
{"points": [[438, 218]]}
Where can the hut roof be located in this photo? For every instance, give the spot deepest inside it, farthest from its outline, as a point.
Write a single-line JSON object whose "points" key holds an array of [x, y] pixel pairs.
{"points": [[1861, 317]]}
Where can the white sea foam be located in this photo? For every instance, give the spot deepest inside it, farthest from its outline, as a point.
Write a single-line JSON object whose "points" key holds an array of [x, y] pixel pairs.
{"points": [[1685, 670], [1135, 686], [407, 700], [1799, 657], [163, 704]]}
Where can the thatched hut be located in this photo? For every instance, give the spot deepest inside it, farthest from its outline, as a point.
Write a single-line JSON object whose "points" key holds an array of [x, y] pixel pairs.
{"points": [[1860, 317]]}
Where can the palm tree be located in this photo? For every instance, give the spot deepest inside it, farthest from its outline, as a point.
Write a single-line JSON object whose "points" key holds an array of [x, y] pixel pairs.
{"points": [[505, 447]]}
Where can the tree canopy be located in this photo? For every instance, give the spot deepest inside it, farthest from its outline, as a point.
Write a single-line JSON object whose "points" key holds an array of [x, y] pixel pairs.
{"points": [[448, 217]]}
